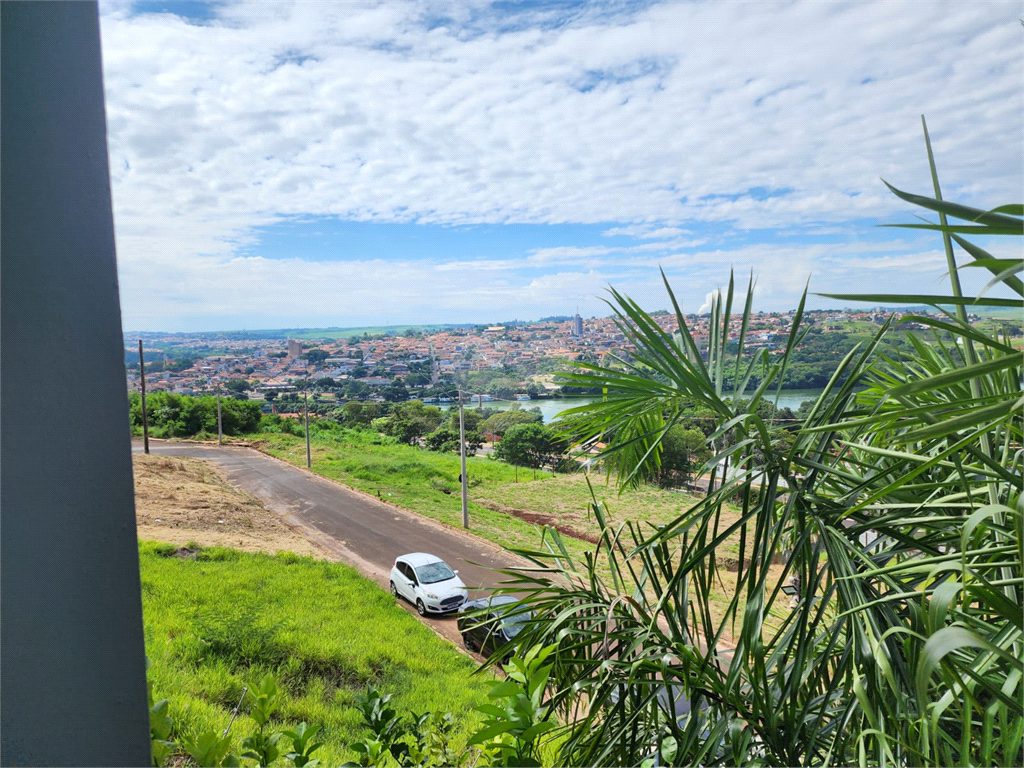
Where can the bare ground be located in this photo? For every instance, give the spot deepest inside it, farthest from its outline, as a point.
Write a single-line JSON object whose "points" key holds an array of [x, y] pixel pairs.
{"points": [[181, 500]]}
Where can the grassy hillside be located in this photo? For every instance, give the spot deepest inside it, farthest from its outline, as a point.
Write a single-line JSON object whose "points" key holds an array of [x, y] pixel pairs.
{"points": [[218, 619]]}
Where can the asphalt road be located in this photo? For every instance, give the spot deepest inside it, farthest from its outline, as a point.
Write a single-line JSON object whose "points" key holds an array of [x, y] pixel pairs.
{"points": [[362, 531]]}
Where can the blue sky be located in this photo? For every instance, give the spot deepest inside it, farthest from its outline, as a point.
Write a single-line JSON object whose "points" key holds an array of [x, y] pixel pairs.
{"points": [[293, 165]]}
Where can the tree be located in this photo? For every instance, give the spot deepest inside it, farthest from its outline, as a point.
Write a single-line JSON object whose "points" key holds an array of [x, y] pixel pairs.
{"points": [[417, 379], [501, 422], [446, 440], [471, 418], [411, 420], [683, 451], [395, 392], [172, 415], [360, 414], [316, 356], [356, 388], [503, 388], [527, 445]]}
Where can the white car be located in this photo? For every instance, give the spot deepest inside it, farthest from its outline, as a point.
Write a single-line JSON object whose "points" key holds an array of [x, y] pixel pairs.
{"points": [[428, 583]]}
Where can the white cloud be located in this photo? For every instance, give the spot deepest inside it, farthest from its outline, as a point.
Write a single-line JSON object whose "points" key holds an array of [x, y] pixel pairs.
{"points": [[768, 115], [645, 231]]}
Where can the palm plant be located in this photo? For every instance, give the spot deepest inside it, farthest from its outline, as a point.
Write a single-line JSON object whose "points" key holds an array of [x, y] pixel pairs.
{"points": [[896, 507]]}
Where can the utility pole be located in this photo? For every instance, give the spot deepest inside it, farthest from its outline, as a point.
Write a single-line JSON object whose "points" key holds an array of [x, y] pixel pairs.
{"points": [[305, 409], [462, 452], [220, 423], [142, 382]]}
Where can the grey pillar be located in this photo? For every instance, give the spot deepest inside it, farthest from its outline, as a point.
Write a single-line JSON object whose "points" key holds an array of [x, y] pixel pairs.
{"points": [[73, 682]]}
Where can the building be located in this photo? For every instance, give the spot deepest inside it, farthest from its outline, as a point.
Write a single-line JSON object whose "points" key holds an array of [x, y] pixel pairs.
{"points": [[294, 348], [577, 325]]}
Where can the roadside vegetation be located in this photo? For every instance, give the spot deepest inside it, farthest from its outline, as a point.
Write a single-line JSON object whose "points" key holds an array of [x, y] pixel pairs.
{"points": [[217, 620]]}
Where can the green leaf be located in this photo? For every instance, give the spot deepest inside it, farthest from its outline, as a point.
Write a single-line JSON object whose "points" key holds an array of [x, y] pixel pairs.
{"points": [[957, 375], [981, 255], [667, 749], [504, 689], [536, 730], [935, 301], [489, 732], [943, 596], [963, 229], [938, 646], [964, 212]]}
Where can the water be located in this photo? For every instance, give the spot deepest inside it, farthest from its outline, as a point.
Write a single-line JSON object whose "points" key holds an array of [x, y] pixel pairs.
{"points": [[550, 408]]}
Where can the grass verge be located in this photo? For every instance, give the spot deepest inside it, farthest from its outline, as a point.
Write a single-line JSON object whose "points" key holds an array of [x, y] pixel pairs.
{"points": [[219, 619]]}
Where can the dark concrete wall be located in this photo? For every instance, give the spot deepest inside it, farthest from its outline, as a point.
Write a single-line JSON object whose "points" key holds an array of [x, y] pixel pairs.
{"points": [[71, 642]]}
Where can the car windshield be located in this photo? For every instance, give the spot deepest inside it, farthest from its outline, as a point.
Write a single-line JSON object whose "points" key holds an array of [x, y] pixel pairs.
{"points": [[514, 622], [434, 572]]}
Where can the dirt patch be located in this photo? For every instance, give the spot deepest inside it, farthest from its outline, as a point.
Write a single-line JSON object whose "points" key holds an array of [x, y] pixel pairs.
{"points": [[182, 501], [733, 564], [538, 518]]}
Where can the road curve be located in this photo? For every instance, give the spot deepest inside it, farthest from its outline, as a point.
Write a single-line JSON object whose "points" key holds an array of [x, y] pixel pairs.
{"points": [[362, 531]]}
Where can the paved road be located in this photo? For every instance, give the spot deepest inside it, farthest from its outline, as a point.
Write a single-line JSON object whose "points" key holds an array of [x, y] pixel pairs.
{"points": [[359, 529]]}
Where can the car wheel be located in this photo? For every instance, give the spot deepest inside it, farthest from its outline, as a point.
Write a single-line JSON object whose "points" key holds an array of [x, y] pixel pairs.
{"points": [[469, 642], [394, 590], [421, 609]]}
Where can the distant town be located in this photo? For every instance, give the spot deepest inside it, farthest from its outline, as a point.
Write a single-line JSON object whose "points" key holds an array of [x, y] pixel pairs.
{"points": [[427, 364]]}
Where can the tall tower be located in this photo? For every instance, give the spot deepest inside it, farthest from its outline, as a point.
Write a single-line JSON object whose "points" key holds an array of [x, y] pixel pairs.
{"points": [[294, 348], [577, 324]]}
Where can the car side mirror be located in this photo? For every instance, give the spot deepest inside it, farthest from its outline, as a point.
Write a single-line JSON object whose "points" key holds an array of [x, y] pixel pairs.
{"points": [[456, 571]]}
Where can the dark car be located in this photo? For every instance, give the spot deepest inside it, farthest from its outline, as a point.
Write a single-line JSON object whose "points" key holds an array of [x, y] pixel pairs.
{"points": [[491, 622]]}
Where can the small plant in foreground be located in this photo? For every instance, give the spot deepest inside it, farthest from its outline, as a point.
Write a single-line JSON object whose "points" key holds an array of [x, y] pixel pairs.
{"points": [[303, 745], [510, 736], [262, 746], [513, 730], [160, 725], [214, 749]]}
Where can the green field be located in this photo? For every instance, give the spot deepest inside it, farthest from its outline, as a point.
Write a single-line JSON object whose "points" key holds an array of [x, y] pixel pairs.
{"points": [[224, 619], [567, 499]]}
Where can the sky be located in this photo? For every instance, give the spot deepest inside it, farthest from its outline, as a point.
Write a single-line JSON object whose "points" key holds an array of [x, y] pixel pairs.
{"points": [[281, 165]]}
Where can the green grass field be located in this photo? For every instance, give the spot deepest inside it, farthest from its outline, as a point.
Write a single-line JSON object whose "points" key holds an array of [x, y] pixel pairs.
{"points": [[566, 499], [221, 621]]}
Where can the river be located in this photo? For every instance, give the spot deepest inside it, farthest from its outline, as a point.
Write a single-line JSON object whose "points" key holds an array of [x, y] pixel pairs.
{"points": [[551, 407]]}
